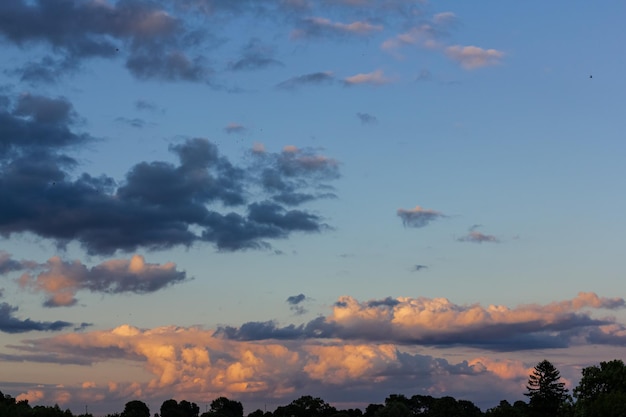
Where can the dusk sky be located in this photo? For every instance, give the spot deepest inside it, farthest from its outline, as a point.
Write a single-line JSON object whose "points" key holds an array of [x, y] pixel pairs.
{"points": [[264, 199]]}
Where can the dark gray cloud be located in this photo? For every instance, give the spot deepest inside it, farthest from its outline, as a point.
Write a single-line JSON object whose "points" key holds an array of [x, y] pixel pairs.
{"points": [[296, 299], [418, 216], [11, 324], [295, 303], [435, 322], [474, 236], [61, 280], [367, 118], [36, 123], [159, 204], [315, 78], [296, 176], [255, 55], [151, 38]]}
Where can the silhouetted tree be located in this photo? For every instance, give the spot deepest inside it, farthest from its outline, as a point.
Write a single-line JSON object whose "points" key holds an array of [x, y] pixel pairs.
{"points": [[306, 406], [602, 390], [169, 408], [223, 407], [135, 408], [547, 393]]}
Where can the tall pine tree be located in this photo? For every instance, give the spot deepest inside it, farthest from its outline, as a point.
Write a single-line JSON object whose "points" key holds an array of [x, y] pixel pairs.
{"points": [[546, 392]]}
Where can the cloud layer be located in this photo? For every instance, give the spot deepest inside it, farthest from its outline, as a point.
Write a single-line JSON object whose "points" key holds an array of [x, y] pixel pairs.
{"points": [[369, 346], [439, 322]]}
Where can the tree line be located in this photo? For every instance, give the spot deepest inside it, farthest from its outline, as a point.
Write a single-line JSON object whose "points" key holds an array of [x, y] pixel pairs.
{"points": [[601, 392]]}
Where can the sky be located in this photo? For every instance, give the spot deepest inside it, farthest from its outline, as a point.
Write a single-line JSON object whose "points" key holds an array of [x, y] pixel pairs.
{"points": [[264, 199]]}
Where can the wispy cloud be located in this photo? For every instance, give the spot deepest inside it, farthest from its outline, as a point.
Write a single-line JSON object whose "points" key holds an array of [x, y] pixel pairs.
{"points": [[418, 216], [366, 118], [476, 236], [255, 55], [322, 27], [374, 78], [472, 57], [235, 128], [315, 78]]}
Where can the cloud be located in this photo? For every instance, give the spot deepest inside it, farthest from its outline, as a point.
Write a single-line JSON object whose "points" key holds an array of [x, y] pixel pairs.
{"points": [[296, 299], [322, 27], [61, 280], [424, 35], [255, 55], [475, 236], [170, 66], [366, 118], [418, 216], [439, 322], [191, 362], [472, 57], [371, 346], [315, 78], [375, 78], [9, 265], [234, 128], [105, 216], [144, 105], [295, 302], [295, 176], [134, 122], [148, 35], [11, 324]]}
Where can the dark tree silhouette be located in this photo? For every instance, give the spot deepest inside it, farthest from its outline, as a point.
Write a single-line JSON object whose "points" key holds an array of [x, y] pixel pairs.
{"points": [[306, 406], [602, 390], [547, 393], [135, 408], [223, 407]]}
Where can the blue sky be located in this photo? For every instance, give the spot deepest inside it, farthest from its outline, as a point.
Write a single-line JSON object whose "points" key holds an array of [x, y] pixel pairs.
{"points": [[267, 199]]}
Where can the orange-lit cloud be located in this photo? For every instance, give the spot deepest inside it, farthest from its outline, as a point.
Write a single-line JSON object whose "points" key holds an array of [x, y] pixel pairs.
{"points": [[375, 78], [439, 322], [61, 280], [371, 347]]}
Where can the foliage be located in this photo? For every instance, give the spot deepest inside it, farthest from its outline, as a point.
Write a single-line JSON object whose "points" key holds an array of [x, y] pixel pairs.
{"points": [[135, 408], [223, 407], [306, 406], [602, 390], [172, 408], [547, 393]]}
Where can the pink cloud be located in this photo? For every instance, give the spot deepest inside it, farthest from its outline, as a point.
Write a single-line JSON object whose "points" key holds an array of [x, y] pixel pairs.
{"points": [[375, 78], [472, 57]]}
